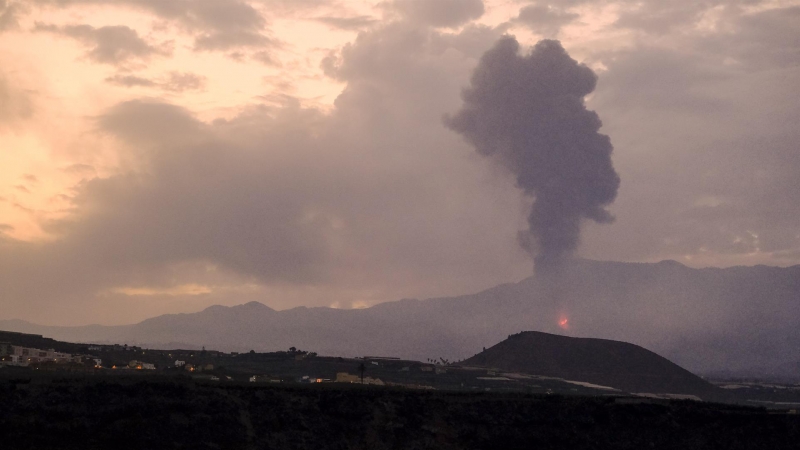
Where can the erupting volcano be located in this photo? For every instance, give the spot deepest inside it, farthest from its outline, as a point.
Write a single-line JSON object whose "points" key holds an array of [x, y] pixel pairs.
{"points": [[527, 113]]}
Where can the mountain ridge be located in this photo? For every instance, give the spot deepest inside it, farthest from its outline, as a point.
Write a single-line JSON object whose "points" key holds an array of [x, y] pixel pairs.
{"points": [[740, 319]]}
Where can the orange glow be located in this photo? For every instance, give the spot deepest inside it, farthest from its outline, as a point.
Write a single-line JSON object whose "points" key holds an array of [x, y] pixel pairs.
{"points": [[563, 322]]}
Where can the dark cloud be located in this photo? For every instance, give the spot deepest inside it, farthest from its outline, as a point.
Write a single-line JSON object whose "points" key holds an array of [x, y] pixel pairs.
{"points": [[205, 200], [15, 103], [283, 87], [80, 169], [286, 198], [762, 39], [709, 166], [348, 23], [21, 207], [228, 16], [131, 81], [183, 81], [289, 6], [266, 58], [439, 13], [172, 82], [225, 201], [152, 124], [218, 25], [5, 229], [473, 40], [203, 15], [391, 56], [656, 17], [663, 79], [9, 14], [791, 255], [376, 200], [111, 44], [528, 113], [544, 19], [664, 18]]}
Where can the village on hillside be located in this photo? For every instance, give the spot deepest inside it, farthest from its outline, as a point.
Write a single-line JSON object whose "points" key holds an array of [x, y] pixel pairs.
{"points": [[291, 366]]}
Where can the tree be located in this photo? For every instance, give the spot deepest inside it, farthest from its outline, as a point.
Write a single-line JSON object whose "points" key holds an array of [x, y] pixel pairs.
{"points": [[362, 368]]}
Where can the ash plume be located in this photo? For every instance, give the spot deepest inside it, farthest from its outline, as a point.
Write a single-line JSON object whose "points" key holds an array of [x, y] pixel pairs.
{"points": [[527, 112]]}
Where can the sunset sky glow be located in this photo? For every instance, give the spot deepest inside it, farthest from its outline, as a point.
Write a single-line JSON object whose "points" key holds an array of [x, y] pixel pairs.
{"points": [[164, 156]]}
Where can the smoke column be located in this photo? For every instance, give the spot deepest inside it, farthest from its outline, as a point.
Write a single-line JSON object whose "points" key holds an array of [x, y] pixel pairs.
{"points": [[528, 114]]}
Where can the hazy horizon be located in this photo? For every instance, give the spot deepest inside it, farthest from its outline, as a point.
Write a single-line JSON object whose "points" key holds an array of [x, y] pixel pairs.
{"points": [[265, 302]]}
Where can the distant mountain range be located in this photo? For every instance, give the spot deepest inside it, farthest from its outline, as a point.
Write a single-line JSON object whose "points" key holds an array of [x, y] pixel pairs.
{"points": [[739, 320]]}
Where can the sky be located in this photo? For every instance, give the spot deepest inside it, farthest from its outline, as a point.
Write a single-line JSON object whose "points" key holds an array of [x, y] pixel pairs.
{"points": [[161, 157]]}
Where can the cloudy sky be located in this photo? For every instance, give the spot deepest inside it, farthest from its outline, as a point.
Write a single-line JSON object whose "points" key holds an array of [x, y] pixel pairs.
{"points": [[162, 156]]}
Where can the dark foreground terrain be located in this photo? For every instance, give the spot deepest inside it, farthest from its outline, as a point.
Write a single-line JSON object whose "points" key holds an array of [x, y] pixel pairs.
{"points": [[155, 412]]}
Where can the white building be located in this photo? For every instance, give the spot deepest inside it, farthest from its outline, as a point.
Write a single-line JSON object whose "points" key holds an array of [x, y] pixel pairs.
{"points": [[34, 355], [179, 363]]}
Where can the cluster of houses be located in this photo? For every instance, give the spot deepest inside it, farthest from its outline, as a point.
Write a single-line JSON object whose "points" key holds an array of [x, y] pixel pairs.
{"points": [[344, 377], [140, 365], [341, 377], [16, 355], [194, 367]]}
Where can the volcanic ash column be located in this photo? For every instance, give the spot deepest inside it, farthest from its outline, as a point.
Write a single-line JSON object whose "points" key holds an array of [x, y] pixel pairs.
{"points": [[527, 113]]}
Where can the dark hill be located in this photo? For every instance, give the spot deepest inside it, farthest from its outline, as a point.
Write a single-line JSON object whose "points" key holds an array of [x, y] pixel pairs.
{"points": [[620, 365], [40, 342]]}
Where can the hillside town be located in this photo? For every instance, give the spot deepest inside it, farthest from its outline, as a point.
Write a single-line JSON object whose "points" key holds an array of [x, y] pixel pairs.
{"points": [[20, 356], [16, 355], [30, 351]]}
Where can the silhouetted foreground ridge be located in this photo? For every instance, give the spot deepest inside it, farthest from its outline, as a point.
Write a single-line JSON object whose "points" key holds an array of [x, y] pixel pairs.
{"points": [[182, 414]]}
